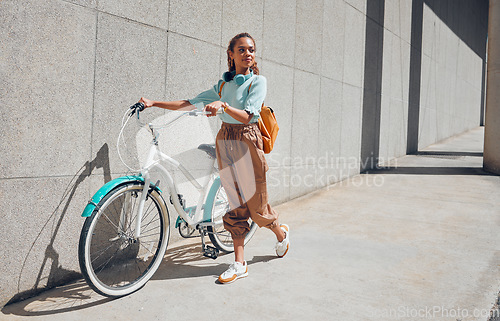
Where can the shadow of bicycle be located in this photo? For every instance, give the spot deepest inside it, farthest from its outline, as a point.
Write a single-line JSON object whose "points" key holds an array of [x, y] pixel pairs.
{"points": [[70, 297], [182, 260]]}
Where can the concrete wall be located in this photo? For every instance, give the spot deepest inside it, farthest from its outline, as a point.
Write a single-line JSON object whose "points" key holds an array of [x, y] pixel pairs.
{"points": [[70, 67], [492, 126], [395, 79], [452, 69]]}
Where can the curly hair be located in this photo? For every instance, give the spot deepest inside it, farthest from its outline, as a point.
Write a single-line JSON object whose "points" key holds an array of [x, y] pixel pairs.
{"points": [[230, 48]]}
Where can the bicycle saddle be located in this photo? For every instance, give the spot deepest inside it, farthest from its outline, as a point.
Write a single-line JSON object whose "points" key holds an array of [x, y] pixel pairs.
{"points": [[209, 149]]}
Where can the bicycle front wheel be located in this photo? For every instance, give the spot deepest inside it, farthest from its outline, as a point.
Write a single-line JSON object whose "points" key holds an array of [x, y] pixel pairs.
{"points": [[112, 260], [219, 236]]}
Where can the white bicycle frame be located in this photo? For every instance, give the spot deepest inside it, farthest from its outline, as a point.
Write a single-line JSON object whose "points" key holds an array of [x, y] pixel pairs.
{"points": [[153, 161]]}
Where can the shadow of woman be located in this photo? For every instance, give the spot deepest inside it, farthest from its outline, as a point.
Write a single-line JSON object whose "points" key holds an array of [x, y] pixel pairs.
{"points": [[186, 261]]}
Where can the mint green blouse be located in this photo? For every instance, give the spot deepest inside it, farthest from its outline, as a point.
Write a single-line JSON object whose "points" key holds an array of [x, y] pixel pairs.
{"points": [[237, 96]]}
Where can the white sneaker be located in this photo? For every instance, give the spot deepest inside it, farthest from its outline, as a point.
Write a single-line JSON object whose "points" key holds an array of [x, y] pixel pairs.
{"points": [[283, 246], [235, 271]]}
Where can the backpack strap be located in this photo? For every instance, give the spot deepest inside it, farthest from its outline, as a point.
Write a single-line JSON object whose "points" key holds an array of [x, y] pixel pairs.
{"points": [[220, 88]]}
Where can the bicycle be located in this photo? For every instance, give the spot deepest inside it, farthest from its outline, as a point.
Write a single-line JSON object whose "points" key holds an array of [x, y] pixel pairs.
{"points": [[127, 227]]}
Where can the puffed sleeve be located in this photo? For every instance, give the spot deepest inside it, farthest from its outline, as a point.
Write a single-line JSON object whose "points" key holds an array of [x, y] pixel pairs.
{"points": [[206, 97], [256, 95]]}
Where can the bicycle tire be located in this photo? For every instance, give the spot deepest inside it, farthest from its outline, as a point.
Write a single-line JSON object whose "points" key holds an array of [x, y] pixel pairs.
{"points": [[219, 236], [112, 262]]}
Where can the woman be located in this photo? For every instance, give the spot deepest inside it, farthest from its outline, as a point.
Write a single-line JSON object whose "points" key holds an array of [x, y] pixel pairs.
{"points": [[239, 147]]}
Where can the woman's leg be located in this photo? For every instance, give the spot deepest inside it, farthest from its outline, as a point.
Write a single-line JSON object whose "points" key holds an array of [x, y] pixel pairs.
{"points": [[239, 246], [280, 235]]}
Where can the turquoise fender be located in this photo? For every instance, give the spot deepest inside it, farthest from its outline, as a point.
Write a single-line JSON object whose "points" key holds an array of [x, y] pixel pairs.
{"points": [[106, 188]]}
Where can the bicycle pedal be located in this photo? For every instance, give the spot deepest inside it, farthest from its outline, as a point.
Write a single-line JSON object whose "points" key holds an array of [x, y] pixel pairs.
{"points": [[211, 252]]}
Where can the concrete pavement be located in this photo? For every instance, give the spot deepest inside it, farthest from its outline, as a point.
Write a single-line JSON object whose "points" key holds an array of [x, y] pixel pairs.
{"points": [[416, 240]]}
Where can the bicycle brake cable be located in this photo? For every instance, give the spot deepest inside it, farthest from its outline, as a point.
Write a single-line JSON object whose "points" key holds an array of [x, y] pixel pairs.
{"points": [[127, 113]]}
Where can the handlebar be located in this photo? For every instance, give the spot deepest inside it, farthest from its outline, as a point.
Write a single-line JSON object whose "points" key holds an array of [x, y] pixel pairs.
{"points": [[138, 107]]}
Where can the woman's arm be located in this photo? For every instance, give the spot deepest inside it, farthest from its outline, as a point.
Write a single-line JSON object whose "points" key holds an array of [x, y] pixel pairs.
{"points": [[170, 105], [238, 114]]}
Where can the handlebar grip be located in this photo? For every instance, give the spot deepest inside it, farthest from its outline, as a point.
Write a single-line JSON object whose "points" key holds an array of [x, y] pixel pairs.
{"points": [[139, 106]]}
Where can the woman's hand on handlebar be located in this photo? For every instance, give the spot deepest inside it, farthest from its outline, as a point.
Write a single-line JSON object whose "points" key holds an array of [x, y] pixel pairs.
{"points": [[147, 103], [213, 107]]}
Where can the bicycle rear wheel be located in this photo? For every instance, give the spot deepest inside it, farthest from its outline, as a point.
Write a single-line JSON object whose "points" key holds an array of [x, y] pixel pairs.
{"points": [[219, 236], [113, 262]]}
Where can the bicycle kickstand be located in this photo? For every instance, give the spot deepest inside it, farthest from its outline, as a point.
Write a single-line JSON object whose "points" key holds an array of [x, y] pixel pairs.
{"points": [[208, 251]]}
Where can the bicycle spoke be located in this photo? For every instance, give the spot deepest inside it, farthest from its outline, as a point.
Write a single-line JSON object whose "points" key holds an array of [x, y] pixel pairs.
{"points": [[132, 212], [111, 223], [101, 253], [146, 226], [148, 250], [102, 266]]}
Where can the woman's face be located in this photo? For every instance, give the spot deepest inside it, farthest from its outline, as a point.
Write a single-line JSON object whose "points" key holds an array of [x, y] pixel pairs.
{"points": [[243, 54]]}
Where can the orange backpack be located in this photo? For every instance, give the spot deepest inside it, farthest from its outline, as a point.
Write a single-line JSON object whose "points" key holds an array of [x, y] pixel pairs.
{"points": [[267, 124]]}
